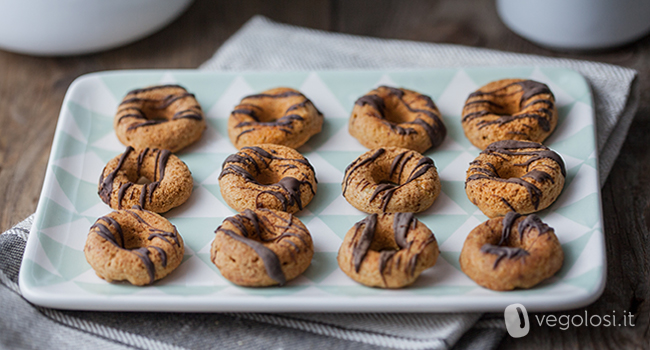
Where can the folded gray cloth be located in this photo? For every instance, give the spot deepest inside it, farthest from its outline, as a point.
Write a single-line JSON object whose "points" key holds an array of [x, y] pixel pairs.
{"points": [[264, 45]]}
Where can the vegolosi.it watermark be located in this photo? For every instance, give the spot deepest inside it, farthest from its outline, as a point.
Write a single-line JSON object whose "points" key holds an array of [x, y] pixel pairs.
{"points": [[518, 322]]}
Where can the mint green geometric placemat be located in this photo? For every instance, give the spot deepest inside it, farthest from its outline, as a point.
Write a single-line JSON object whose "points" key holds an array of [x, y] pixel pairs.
{"points": [[55, 272]]}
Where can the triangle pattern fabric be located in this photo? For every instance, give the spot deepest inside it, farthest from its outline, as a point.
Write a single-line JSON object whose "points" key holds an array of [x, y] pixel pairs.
{"points": [[85, 142]]}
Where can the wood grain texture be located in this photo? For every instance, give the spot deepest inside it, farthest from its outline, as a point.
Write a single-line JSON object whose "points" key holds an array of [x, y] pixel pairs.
{"points": [[32, 89]]}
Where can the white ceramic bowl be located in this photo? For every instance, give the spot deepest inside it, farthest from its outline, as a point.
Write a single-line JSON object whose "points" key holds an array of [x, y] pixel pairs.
{"points": [[70, 27], [577, 24]]}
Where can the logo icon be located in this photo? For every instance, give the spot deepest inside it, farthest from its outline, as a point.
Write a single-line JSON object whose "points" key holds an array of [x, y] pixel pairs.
{"points": [[516, 318]]}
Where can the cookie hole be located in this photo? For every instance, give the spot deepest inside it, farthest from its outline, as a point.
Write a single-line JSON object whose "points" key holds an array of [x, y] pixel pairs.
{"points": [[382, 175], [268, 177], [397, 112], [143, 181], [382, 242], [255, 259], [285, 263], [134, 239], [233, 260], [157, 117], [511, 171]]}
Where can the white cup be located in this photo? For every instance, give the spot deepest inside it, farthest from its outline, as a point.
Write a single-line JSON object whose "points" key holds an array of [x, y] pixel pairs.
{"points": [[70, 27], [577, 24]]}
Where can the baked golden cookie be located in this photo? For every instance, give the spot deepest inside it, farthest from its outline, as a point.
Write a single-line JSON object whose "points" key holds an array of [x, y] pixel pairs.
{"points": [[267, 176], [133, 245], [165, 116], [509, 109], [169, 180], [519, 176], [262, 247], [511, 252], [281, 116], [390, 180], [390, 117], [387, 250]]}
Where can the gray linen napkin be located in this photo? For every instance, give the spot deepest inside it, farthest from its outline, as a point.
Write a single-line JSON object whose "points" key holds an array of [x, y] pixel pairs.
{"points": [[265, 45]]}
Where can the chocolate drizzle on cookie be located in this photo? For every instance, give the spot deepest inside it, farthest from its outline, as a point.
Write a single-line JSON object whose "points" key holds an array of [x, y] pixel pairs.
{"points": [[501, 250], [536, 151], [284, 123], [388, 187], [528, 90], [147, 190], [402, 224], [350, 169], [362, 245], [127, 110], [532, 222], [142, 253], [287, 190], [106, 183], [436, 130], [253, 235]]}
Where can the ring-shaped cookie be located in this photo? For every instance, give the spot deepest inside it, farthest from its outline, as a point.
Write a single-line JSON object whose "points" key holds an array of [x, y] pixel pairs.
{"points": [[390, 180], [151, 178], [164, 116], [509, 109], [520, 176], [391, 117], [281, 116], [511, 252], [133, 245], [267, 176], [387, 250], [262, 247]]}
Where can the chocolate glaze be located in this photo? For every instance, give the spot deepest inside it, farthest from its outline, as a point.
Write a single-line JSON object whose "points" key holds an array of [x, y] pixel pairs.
{"points": [[402, 224], [507, 222], [500, 250], [291, 187], [528, 223], [285, 94], [192, 112], [436, 131], [529, 89], [152, 88], [384, 257], [153, 231], [350, 169], [532, 222], [121, 192], [503, 252], [272, 263], [106, 183], [284, 123], [361, 246], [511, 147], [536, 152], [389, 188], [287, 190], [146, 194], [141, 252]]}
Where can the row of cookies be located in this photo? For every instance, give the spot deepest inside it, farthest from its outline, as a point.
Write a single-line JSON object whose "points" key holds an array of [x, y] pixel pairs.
{"points": [[288, 192]]}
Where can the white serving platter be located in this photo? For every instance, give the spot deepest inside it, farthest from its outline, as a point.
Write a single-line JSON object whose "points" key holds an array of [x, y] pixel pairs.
{"points": [[55, 273]]}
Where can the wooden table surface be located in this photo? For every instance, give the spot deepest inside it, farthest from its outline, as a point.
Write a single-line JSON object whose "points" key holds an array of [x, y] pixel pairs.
{"points": [[32, 89]]}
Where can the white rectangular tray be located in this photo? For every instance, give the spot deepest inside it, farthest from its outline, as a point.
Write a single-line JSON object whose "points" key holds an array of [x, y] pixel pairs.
{"points": [[55, 273]]}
